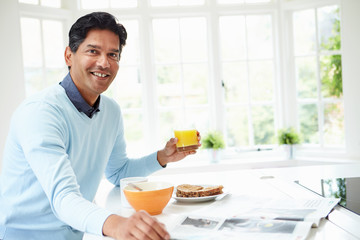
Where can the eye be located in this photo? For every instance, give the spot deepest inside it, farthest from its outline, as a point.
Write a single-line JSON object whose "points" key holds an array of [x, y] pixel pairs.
{"points": [[114, 55], [92, 51]]}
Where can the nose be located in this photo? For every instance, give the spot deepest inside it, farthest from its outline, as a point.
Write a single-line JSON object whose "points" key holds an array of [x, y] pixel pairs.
{"points": [[103, 61]]}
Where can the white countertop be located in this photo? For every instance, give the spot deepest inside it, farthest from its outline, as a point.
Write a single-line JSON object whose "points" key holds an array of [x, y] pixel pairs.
{"points": [[268, 178]]}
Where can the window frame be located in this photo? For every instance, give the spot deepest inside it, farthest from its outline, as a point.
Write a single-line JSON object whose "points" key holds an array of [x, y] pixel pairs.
{"points": [[292, 119]]}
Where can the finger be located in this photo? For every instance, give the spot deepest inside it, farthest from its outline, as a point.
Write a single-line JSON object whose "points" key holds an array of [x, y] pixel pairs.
{"points": [[171, 142], [131, 238], [139, 233], [158, 228]]}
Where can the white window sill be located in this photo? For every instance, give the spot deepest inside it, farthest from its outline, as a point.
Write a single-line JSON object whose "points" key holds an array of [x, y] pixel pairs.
{"points": [[200, 162]]}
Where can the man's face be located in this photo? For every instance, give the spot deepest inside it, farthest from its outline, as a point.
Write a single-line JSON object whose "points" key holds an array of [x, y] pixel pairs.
{"points": [[95, 64]]}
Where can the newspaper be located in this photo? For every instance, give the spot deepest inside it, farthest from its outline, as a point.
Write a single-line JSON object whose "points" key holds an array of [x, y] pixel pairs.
{"points": [[245, 217]]}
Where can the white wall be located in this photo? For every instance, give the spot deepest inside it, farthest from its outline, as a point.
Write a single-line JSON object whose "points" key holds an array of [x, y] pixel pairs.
{"points": [[350, 41], [12, 88]]}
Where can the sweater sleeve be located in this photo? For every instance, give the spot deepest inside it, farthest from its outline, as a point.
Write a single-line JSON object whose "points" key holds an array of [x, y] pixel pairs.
{"points": [[120, 166], [41, 133]]}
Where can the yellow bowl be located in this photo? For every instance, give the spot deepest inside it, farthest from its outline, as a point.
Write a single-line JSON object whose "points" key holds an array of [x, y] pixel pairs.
{"points": [[153, 199]]}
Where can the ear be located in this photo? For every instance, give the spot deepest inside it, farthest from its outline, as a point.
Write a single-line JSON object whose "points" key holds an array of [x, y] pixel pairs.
{"points": [[68, 56]]}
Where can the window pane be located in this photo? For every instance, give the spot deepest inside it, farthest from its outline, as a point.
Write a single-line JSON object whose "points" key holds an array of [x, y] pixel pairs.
{"points": [[235, 80], [51, 3], [242, 1], [123, 3], [33, 80], [127, 88], [329, 27], [166, 40], [230, 1], [331, 76], [198, 118], [163, 3], [232, 40], [263, 124], [35, 2], [258, 1], [308, 115], [193, 39], [168, 120], [93, 4], [195, 84], [191, 2], [259, 30], [169, 88], [133, 125], [306, 77], [237, 127], [31, 42], [334, 124], [304, 32], [53, 43], [53, 76], [130, 53], [261, 80]]}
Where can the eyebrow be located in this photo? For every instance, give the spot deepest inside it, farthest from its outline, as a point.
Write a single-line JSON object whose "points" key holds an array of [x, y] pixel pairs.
{"points": [[98, 47]]}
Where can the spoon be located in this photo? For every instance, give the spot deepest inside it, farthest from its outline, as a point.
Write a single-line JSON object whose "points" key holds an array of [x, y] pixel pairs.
{"points": [[134, 186]]}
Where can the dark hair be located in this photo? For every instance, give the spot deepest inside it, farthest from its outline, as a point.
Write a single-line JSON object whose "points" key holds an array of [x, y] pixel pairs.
{"points": [[95, 20]]}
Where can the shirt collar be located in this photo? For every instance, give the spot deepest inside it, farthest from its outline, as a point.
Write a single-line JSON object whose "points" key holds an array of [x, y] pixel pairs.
{"points": [[75, 97]]}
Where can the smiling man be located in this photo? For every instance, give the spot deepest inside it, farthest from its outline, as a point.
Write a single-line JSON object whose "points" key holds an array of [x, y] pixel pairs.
{"points": [[93, 66], [61, 142]]}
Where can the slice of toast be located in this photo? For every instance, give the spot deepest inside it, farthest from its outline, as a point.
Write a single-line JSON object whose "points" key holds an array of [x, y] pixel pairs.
{"points": [[188, 190]]}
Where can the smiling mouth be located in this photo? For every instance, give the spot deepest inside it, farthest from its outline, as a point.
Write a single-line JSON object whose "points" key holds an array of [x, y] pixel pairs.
{"points": [[99, 74]]}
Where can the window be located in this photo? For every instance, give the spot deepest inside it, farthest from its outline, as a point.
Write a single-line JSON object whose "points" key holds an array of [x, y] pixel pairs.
{"points": [[43, 50], [45, 3], [242, 1], [162, 3], [181, 62], [317, 54], [248, 77], [127, 88], [95, 4], [179, 53]]}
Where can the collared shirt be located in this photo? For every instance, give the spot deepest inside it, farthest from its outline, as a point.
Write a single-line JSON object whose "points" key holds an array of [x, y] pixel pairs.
{"points": [[75, 97]]}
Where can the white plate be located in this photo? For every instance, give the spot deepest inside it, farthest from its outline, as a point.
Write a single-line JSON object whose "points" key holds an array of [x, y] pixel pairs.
{"points": [[198, 199]]}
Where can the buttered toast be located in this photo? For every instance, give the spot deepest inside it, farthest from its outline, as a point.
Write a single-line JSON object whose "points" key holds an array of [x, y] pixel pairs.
{"points": [[188, 190]]}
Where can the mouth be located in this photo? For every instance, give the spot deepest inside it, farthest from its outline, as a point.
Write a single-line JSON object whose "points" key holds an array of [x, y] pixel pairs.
{"points": [[98, 74]]}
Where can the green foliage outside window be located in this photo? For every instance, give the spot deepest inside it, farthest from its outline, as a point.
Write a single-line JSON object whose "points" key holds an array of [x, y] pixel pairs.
{"points": [[288, 136], [332, 79], [213, 140]]}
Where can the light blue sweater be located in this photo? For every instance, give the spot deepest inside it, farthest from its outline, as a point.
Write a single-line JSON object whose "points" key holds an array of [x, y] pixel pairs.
{"points": [[54, 159]]}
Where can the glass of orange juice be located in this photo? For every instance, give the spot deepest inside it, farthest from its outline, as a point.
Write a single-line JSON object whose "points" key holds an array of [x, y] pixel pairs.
{"points": [[187, 140]]}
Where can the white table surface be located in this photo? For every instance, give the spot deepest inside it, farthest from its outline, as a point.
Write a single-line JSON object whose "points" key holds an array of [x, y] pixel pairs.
{"points": [[272, 181]]}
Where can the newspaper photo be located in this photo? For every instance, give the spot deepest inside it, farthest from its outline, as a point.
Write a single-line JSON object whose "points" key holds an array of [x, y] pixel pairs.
{"points": [[197, 227], [309, 210], [244, 217]]}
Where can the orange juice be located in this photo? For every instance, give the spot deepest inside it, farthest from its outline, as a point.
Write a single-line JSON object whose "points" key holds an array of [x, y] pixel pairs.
{"points": [[187, 140]]}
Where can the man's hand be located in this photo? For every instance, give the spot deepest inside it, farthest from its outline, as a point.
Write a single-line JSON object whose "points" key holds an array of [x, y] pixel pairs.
{"points": [[138, 226], [169, 153]]}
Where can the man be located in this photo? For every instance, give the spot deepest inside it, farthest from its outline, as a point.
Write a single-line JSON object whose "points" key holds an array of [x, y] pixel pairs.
{"points": [[62, 140]]}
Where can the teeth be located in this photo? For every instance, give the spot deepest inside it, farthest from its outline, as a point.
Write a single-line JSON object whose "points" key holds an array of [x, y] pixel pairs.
{"points": [[99, 74]]}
